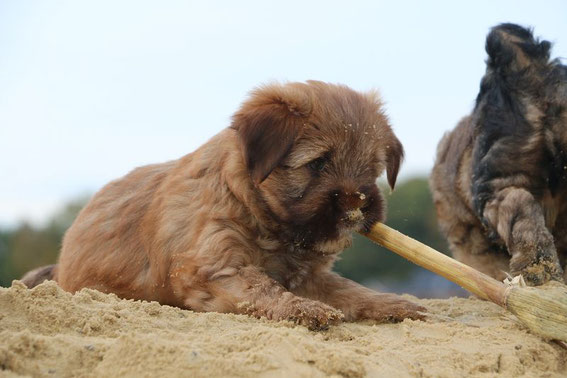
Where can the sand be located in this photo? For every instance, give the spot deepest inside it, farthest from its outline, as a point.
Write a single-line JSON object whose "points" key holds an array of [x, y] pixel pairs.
{"points": [[48, 332]]}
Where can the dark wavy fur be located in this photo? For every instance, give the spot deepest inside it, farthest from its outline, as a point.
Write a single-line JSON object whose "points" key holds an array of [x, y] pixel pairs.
{"points": [[500, 181]]}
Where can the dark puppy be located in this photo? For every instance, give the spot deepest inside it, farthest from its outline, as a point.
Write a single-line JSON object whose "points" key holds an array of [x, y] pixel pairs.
{"points": [[253, 220], [500, 179]]}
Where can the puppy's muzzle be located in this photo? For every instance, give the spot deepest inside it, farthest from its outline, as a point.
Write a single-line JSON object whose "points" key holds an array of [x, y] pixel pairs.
{"points": [[354, 216], [351, 204]]}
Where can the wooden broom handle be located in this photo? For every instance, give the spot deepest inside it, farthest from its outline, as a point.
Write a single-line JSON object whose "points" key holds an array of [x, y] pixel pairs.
{"points": [[463, 275]]}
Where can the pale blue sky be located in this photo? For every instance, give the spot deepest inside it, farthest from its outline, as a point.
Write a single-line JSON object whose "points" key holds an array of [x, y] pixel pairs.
{"points": [[91, 89]]}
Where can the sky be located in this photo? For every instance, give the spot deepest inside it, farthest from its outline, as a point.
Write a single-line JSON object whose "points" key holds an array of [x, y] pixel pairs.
{"points": [[92, 89]]}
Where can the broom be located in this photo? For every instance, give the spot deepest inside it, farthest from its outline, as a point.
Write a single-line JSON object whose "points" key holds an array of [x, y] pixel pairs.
{"points": [[542, 309]]}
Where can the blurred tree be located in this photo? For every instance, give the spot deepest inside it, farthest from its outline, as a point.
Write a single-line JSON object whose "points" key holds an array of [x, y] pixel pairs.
{"points": [[410, 211], [5, 264], [32, 247], [28, 247]]}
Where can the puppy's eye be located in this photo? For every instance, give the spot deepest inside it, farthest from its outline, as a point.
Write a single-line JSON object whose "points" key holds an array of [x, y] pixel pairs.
{"points": [[318, 164]]}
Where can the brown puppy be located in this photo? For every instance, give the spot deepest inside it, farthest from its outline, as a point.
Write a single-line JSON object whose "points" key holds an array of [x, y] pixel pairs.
{"points": [[500, 179], [253, 220]]}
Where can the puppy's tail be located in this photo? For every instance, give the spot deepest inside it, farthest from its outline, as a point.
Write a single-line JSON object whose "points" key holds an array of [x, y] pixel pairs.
{"points": [[34, 277], [513, 49]]}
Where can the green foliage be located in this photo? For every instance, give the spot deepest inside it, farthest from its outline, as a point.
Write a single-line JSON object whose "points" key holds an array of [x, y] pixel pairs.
{"points": [[410, 211], [5, 265], [29, 247]]}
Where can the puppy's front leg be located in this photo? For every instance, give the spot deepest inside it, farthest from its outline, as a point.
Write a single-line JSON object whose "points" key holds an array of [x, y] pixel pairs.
{"points": [[356, 301], [518, 219], [250, 291]]}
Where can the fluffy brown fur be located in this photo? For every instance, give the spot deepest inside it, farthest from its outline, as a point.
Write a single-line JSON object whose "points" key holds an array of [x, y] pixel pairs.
{"points": [[500, 179], [253, 220]]}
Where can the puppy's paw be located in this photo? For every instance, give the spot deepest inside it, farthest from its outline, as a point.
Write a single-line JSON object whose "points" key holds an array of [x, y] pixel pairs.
{"points": [[540, 273], [391, 308], [537, 273], [315, 315]]}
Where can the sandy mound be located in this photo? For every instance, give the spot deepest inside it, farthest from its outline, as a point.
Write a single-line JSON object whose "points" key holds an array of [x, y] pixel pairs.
{"points": [[48, 332]]}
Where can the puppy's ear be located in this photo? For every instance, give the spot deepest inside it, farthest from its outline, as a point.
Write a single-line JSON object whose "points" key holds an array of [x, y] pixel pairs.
{"points": [[268, 125], [394, 157]]}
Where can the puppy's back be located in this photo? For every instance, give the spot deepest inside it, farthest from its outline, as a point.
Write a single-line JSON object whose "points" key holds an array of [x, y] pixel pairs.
{"points": [[450, 179], [107, 242]]}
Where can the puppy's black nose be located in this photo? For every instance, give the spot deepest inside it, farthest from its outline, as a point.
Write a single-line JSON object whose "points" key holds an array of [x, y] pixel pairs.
{"points": [[350, 200]]}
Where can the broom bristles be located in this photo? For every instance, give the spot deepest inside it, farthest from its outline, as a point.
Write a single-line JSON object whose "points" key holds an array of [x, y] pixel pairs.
{"points": [[542, 309]]}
